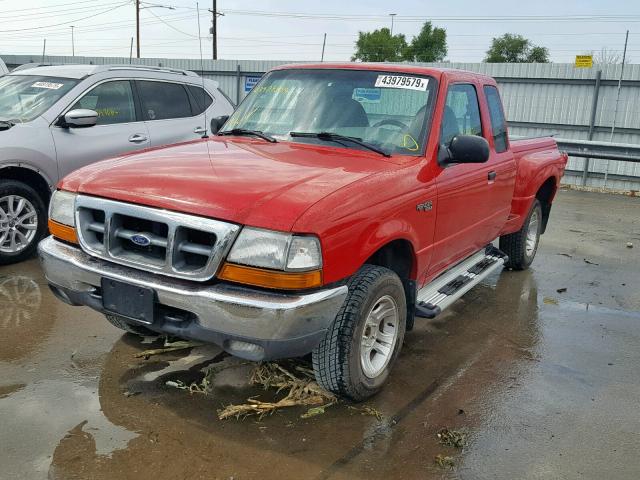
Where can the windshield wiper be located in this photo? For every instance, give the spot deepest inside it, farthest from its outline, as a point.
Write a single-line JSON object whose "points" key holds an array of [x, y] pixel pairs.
{"points": [[336, 137], [244, 131]]}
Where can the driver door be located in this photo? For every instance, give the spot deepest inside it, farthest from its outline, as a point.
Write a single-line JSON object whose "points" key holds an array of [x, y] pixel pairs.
{"points": [[118, 131], [463, 203]]}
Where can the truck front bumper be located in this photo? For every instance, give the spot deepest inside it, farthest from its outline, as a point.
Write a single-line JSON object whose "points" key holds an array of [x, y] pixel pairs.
{"points": [[248, 323]]}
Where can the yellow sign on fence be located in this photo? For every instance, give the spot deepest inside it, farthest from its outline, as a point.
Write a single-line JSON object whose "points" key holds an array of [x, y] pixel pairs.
{"points": [[584, 61]]}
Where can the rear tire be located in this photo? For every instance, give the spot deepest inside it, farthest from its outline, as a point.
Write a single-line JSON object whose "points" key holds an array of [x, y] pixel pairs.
{"points": [[122, 324], [359, 349], [522, 245], [23, 221]]}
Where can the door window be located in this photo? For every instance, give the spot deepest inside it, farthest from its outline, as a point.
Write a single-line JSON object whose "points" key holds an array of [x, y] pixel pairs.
{"points": [[461, 114], [498, 122], [200, 99], [162, 100], [113, 101]]}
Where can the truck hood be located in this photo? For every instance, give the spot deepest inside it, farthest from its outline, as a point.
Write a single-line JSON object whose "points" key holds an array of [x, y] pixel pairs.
{"points": [[245, 181]]}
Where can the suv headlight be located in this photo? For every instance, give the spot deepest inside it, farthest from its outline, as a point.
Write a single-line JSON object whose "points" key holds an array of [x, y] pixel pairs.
{"points": [[62, 216], [274, 260], [62, 208]]}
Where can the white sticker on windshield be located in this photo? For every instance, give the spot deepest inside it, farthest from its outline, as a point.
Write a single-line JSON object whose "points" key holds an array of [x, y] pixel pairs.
{"points": [[48, 85], [402, 81]]}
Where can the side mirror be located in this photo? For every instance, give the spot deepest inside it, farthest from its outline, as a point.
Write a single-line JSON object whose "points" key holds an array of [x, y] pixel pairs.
{"points": [[465, 149], [217, 123], [79, 118]]}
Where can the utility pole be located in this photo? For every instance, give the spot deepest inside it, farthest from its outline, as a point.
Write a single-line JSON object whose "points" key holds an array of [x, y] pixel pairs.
{"points": [[214, 28], [131, 51], [324, 42], [73, 44], [44, 49], [615, 111], [392, 15], [138, 28]]}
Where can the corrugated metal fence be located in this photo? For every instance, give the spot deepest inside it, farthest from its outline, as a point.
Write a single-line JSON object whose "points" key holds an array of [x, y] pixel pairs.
{"points": [[539, 99]]}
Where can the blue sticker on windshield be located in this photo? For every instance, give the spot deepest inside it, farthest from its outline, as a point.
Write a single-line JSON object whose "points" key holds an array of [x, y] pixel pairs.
{"points": [[367, 95]]}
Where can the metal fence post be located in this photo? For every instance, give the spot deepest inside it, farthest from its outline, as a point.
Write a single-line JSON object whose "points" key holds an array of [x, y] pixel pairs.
{"points": [[238, 84], [592, 123]]}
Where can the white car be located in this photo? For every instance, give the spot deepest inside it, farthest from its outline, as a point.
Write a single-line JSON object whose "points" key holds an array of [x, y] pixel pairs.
{"points": [[55, 119]]}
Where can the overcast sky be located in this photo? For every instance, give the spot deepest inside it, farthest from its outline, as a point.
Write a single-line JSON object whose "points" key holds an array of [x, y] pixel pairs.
{"points": [[247, 33]]}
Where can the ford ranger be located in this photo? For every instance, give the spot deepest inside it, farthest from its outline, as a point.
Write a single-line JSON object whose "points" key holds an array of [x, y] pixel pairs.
{"points": [[337, 203]]}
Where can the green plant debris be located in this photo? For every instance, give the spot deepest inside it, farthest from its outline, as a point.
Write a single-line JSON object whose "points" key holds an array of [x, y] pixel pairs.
{"points": [[550, 301], [444, 462], [370, 411], [452, 438], [301, 390], [313, 411], [168, 347]]}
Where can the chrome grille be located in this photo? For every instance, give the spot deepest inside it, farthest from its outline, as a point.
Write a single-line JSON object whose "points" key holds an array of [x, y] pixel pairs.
{"points": [[169, 243]]}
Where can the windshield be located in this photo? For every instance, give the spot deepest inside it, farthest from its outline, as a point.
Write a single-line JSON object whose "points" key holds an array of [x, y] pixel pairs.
{"points": [[25, 97], [385, 109]]}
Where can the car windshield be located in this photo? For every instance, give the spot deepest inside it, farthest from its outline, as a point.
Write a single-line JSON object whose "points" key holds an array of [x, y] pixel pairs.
{"points": [[387, 110], [25, 97]]}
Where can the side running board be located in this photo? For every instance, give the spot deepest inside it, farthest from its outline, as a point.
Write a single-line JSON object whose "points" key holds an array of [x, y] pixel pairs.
{"points": [[433, 298]]}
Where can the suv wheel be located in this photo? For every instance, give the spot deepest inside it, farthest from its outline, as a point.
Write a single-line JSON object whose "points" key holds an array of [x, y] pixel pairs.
{"points": [[359, 349], [23, 221], [522, 245]]}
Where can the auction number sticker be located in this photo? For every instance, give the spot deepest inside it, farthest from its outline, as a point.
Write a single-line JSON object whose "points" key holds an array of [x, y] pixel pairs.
{"points": [[402, 81], [48, 85]]}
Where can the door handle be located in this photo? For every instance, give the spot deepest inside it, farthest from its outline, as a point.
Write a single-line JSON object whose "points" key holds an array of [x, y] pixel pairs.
{"points": [[138, 138], [491, 176], [200, 130]]}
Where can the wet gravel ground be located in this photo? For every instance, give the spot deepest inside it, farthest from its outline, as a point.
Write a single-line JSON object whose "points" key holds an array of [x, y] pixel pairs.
{"points": [[545, 384]]}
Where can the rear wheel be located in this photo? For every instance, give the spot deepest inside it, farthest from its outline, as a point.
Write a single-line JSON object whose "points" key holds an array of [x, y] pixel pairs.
{"points": [[23, 221], [522, 245], [358, 351], [122, 324]]}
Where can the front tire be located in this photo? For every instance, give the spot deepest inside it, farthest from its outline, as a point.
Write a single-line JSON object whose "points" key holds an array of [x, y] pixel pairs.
{"points": [[359, 349], [522, 245], [23, 221], [122, 324]]}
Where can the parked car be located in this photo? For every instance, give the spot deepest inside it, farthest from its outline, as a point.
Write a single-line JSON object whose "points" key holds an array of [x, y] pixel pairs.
{"points": [[338, 202], [55, 119], [3, 68]]}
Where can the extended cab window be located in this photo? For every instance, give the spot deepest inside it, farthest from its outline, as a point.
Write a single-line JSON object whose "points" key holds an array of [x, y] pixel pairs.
{"points": [[388, 110], [112, 100], [163, 100], [461, 114], [200, 99], [498, 123]]}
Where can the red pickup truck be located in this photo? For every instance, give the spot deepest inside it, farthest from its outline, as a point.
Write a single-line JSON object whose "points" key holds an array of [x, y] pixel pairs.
{"points": [[336, 204]]}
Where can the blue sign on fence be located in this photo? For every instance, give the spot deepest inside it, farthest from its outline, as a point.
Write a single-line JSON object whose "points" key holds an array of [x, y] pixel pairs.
{"points": [[249, 83]]}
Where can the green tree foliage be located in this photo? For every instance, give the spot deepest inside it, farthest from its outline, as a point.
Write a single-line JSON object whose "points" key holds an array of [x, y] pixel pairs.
{"points": [[429, 46], [380, 46], [510, 48]]}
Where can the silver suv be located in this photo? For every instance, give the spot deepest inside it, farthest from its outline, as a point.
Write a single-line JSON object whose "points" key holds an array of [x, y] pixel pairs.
{"points": [[55, 119]]}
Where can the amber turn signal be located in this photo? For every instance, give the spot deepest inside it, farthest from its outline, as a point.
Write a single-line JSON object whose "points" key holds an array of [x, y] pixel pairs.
{"points": [[269, 278], [63, 232]]}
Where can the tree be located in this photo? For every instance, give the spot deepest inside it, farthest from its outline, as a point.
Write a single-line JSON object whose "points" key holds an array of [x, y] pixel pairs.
{"points": [[511, 48], [429, 46], [380, 46], [608, 57]]}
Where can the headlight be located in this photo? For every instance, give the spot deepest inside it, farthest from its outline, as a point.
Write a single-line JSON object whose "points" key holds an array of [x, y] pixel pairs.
{"points": [[275, 250], [62, 208]]}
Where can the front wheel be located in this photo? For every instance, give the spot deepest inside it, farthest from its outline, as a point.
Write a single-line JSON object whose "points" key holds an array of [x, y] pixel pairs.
{"points": [[359, 349], [23, 221], [521, 246]]}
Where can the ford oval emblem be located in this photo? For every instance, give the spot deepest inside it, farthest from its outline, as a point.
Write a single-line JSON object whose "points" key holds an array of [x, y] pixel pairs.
{"points": [[140, 239]]}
